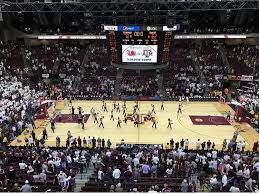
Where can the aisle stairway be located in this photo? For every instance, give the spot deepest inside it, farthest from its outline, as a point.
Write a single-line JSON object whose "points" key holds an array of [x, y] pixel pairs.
{"points": [[118, 81], [224, 59], [83, 177], [160, 85], [25, 62], [196, 63]]}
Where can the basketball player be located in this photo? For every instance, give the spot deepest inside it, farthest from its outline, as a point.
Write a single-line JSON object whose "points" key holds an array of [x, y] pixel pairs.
{"points": [[137, 105], [52, 123], [134, 110], [105, 107], [169, 123], [154, 122], [79, 110], [124, 105], [228, 115], [125, 119], [179, 109], [59, 116], [112, 117], [153, 108], [73, 110], [162, 105], [136, 122], [79, 118], [92, 111], [124, 111], [101, 121], [83, 122], [118, 108], [114, 105], [95, 118], [149, 115], [119, 122]]}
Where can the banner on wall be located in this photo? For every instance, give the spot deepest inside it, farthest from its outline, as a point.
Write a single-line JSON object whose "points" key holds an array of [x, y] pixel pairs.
{"points": [[234, 77], [247, 78]]}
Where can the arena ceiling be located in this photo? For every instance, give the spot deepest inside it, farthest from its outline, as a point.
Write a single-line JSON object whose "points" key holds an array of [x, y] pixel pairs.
{"points": [[129, 6]]}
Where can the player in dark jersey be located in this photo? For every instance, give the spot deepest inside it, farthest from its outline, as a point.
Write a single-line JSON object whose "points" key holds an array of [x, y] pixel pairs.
{"points": [[169, 123], [162, 106], [101, 121], [112, 117]]}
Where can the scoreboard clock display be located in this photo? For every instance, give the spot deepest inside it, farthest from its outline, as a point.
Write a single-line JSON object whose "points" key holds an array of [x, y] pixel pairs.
{"points": [[138, 38]]}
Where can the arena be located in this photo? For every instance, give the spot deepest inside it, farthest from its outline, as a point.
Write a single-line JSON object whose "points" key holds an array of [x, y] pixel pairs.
{"points": [[129, 96]]}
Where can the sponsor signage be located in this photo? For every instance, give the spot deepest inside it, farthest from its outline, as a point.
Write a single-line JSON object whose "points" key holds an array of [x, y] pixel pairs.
{"points": [[80, 37], [247, 78], [151, 28], [111, 28], [129, 28], [234, 77], [174, 28], [141, 28], [210, 36]]}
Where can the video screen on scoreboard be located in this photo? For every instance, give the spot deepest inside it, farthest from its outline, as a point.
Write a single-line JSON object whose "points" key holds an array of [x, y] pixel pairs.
{"points": [[139, 53]]}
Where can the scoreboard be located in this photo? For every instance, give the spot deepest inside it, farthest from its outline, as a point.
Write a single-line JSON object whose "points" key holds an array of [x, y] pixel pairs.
{"points": [[139, 38], [139, 46]]}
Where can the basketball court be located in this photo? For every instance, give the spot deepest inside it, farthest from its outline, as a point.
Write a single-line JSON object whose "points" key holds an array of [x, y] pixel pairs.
{"points": [[199, 120]]}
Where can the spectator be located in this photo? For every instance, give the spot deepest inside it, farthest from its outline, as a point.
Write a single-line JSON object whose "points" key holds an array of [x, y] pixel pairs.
{"points": [[26, 187], [184, 186]]}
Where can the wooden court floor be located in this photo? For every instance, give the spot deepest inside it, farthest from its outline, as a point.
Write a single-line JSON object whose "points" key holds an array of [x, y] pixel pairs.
{"points": [[182, 125]]}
